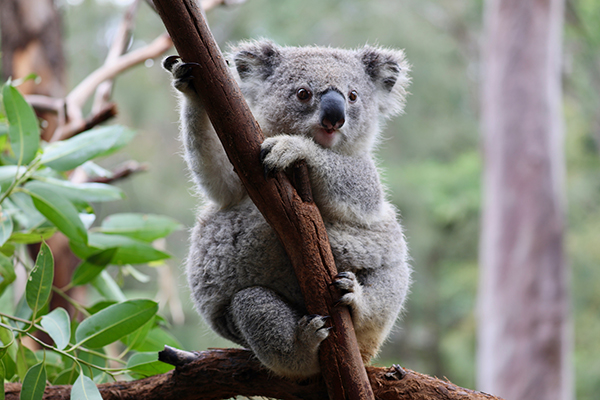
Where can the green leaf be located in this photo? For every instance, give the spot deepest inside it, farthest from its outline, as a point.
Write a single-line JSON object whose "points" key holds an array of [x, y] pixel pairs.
{"points": [[39, 286], [57, 210], [108, 288], [66, 377], [114, 322], [147, 364], [67, 154], [34, 236], [6, 227], [92, 267], [8, 174], [129, 250], [138, 337], [156, 340], [92, 192], [146, 227], [58, 325], [23, 130], [85, 389], [25, 213], [7, 273], [34, 383], [7, 338], [101, 305], [2, 377]]}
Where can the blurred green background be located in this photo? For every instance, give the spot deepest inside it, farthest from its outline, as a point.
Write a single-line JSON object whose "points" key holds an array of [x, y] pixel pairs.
{"points": [[430, 155]]}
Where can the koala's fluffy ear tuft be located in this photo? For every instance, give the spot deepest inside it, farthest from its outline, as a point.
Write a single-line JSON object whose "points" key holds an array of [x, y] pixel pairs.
{"points": [[256, 59], [389, 72]]}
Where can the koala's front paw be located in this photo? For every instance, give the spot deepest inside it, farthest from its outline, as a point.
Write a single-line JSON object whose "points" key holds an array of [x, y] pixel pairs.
{"points": [[279, 152], [182, 73], [311, 331], [351, 290]]}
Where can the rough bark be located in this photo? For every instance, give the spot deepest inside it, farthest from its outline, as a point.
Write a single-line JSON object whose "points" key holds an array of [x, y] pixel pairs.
{"points": [[523, 338], [297, 222], [225, 373]]}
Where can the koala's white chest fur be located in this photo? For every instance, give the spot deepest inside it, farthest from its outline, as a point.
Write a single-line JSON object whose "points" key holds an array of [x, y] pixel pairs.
{"points": [[324, 106]]}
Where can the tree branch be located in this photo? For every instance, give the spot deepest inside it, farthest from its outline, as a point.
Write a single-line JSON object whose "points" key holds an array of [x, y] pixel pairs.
{"points": [[78, 96], [225, 373], [297, 223]]}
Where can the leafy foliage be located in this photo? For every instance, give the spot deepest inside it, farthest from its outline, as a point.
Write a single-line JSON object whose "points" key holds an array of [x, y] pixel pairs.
{"points": [[36, 201]]}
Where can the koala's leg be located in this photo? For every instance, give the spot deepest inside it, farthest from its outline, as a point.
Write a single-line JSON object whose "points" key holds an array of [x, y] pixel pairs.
{"points": [[282, 339], [206, 159]]}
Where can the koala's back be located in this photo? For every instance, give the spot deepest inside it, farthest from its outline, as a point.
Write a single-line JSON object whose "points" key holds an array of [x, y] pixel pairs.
{"points": [[235, 248]]}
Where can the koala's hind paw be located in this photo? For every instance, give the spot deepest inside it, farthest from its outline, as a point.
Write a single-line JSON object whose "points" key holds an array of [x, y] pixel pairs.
{"points": [[311, 330], [351, 290], [182, 73], [280, 152]]}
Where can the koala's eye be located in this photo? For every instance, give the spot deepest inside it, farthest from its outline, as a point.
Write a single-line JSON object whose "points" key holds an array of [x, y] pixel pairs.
{"points": [[303, 94], [353, 96]]}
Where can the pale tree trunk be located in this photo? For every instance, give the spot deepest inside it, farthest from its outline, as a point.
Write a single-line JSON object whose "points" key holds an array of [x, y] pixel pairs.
{"points": [[524, 342]]}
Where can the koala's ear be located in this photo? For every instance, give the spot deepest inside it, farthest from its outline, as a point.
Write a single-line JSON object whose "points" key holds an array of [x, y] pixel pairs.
{"points": [[389, 72], [256, 59]]}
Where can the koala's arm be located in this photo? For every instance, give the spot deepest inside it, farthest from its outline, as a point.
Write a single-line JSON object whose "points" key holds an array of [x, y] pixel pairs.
{"points": [[211, 170], [345, 187]]}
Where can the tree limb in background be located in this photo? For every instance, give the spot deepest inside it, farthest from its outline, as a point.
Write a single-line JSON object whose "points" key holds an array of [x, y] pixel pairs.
{"points": [[225, 373]]}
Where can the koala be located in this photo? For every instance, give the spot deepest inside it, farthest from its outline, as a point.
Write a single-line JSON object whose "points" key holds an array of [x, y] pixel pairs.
{"points": [[325, 106]]}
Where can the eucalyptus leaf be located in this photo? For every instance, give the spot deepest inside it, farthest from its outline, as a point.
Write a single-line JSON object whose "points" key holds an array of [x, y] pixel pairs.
{"points": [[114, 322], [7, 338], [23, 130], [147, 364], [146, 227], [2, 377], [138, 337], [8, 174], [58, 210], [58, 325], [25, 213], [85, 389], [66, 377], [34, 383], [6, 227], [129, 250], [7, 273], [92, 267], [156, 340], [92, 192], [68, 154], [107, 287], [39, 285], [34, 236]]}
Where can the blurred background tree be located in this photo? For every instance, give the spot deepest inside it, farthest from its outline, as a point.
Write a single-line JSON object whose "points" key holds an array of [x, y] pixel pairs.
{"points": [[431, 155]]}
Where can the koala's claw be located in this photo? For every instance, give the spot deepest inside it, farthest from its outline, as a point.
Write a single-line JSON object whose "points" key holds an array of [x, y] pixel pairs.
{"points": [[181, 71], [169, 62], [345, 281], [349, 287], [264, 152], [280, 152], [311, 328]]}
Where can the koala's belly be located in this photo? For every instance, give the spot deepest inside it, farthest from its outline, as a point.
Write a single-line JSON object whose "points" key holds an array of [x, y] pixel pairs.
{"points": [[235, 248]]}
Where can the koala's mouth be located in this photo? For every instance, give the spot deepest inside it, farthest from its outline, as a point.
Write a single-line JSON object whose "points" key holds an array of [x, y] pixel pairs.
{"points": [[326, 137]]}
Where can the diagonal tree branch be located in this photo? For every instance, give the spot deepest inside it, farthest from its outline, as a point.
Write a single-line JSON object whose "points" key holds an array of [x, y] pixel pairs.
{"points": [[296, 221]]}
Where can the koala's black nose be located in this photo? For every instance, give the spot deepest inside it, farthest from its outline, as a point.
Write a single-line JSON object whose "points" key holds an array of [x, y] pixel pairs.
{"points": [[333, 110]]}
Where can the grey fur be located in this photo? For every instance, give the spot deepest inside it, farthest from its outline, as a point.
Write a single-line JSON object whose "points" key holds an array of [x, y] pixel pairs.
{"points": [[240, 277]]}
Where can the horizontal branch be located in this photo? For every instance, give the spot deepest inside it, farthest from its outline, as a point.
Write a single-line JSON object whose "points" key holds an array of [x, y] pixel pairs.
{"points": [[224, 373]]}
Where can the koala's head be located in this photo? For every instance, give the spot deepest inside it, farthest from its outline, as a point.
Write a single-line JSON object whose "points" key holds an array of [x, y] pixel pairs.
{"points": [[338, 97]]}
